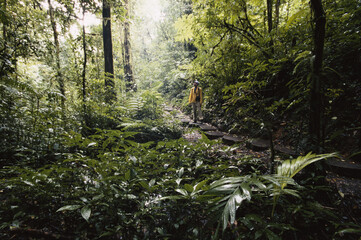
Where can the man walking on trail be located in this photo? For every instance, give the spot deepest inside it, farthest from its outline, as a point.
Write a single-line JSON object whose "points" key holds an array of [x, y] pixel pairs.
{"points": [[196, 99]]}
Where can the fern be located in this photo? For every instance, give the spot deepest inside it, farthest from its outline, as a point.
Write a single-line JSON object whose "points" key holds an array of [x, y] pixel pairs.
{"points": [[134, 104], [16, 87]]}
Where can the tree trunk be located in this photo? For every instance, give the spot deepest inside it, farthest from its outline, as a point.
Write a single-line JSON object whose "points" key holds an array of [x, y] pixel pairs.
{"points": [[59, 76], [128, 69], [277, 20], [272, 148], [270, 21], [4, 24], [108, 53], [84, 62], [85, 118], [315, 98], [269, 14]]}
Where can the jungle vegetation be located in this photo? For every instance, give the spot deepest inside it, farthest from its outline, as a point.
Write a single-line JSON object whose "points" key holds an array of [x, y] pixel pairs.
{"points": [[87, 152]]}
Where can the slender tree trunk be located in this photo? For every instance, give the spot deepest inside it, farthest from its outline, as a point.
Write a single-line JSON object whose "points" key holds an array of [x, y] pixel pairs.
{"points": [[315, 99], [4, 25], [269, 15], [272, 148], [288, 10], [59, 76], [128, 69], [270, 21], [84, 62], [108, 53], [85, 118], [277, 20]]}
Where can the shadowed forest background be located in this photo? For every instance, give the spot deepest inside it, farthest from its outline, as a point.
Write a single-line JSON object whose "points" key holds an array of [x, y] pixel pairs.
{"points": [[87, 150]]}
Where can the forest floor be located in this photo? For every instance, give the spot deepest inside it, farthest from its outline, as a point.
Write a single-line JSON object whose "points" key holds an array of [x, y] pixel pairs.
{"points": [[349, 188]]}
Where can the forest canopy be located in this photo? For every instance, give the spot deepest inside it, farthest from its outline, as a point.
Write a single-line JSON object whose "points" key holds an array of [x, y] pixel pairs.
{"points": [[87, 150]]}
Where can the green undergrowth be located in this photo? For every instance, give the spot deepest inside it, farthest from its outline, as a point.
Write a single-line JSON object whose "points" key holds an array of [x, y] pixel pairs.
{"points": [[109, 186]]}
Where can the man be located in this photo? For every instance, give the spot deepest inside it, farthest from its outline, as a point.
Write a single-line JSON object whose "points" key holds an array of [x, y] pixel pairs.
{"points": [[196, 99]]}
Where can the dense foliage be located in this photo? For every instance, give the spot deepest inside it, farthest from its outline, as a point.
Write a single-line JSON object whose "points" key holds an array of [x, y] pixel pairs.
{"points": [[74, 165], [109, 186], [256, 75]]}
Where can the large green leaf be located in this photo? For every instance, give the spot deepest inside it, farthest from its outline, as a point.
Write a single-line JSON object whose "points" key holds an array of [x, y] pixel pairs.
{"points": [[182, 191], [85, 212], [69, 208], [289, 168], [294, 17], [233, 203]]}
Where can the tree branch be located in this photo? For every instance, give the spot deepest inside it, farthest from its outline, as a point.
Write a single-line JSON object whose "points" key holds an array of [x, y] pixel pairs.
{"points": [[213, 48], [245, 34]]}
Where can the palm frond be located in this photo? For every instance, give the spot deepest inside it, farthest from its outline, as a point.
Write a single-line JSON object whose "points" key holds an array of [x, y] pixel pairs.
{"points": [[234, 201], [228, 194], [289, 168]]}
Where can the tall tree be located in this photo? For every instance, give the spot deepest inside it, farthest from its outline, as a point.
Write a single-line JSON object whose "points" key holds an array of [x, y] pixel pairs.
{"points": [[315, 99], [85, 56], [270, 22], [4, 19], [277, 13], [59, 76], [269, 15], [128, 68], [108, 53]]}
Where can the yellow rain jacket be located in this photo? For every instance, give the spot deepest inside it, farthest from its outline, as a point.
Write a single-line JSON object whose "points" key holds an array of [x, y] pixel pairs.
{"points": [[193, 95]]}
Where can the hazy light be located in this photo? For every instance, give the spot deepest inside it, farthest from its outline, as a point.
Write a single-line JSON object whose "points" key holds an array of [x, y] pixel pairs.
{"points": [[151, 9], [89, 20]]}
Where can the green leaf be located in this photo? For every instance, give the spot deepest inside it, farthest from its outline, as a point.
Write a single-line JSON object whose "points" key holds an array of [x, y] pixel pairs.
{"points": [[271, 235], [92, 144], [233, 203], [69, 207], [178, 181], [98, 197], [349, 230], [258, 234], [199, 185], [181, 172], [145, 185], [152, 182], [85, 212], [182, 191], [127, 175], [188, 187], [289, 168], [169, 198], [294, 17], [29, 183]]}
